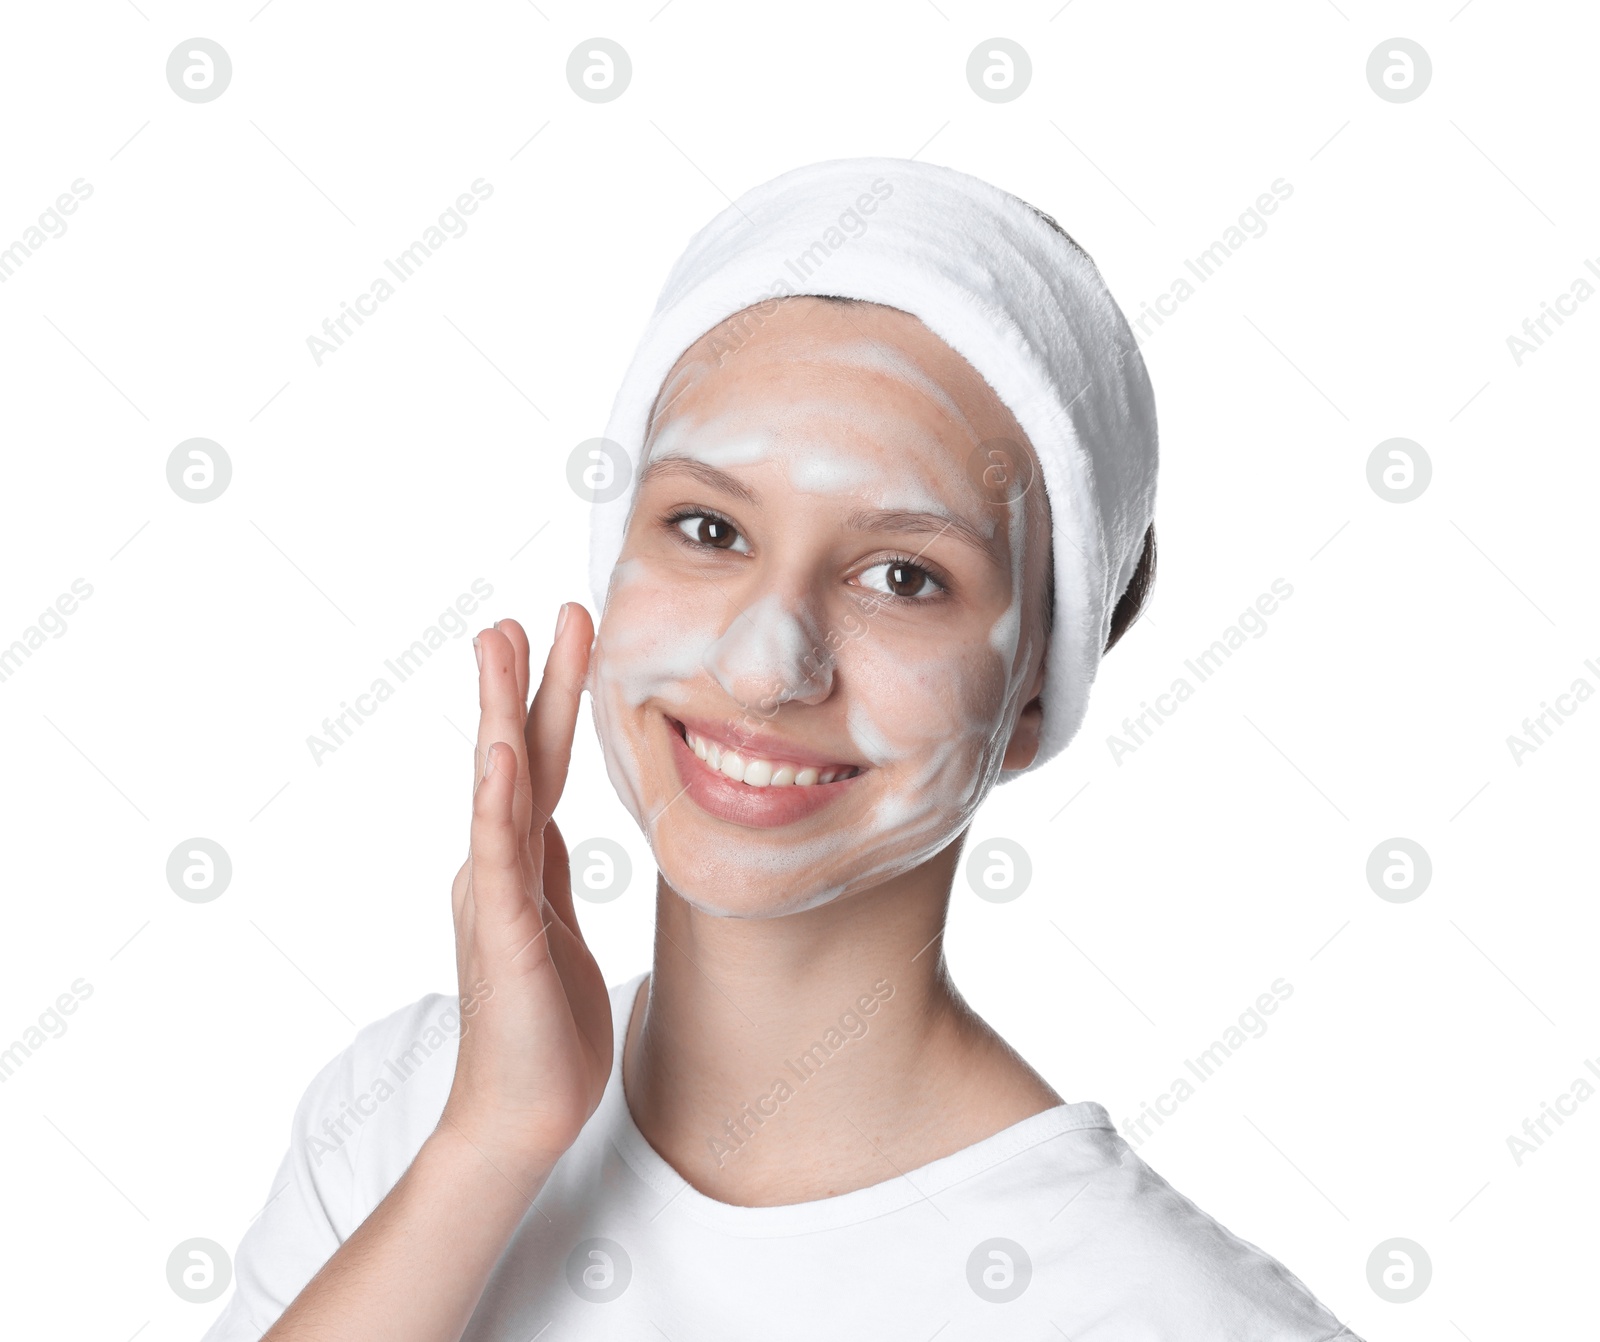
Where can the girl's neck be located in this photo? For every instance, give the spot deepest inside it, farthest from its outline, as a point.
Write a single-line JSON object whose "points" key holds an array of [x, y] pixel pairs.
{"points": [[778, 1060]]}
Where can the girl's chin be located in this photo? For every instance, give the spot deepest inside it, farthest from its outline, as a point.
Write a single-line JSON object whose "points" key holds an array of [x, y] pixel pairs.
{"points": [[757, 908], [777, 904], [714, 881]]}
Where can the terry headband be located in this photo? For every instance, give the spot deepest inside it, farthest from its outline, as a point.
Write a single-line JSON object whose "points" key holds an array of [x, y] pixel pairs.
{"points": [[987, 274]]}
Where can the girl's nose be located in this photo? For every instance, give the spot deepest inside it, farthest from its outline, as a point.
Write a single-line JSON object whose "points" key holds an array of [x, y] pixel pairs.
{"points": [[770, 654]]}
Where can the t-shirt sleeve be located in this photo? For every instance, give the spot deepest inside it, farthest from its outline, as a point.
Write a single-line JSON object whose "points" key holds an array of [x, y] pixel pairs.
{"points": [[1186, 1275], [302, 1223], [317, 1199]]}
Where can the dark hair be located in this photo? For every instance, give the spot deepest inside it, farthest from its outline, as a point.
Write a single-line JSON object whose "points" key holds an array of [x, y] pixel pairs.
{"points": [[1129, 605]]}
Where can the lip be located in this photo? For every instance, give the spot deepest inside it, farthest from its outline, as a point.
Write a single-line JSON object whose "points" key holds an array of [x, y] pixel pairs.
{"points": [[761, 745], [739, 803]]}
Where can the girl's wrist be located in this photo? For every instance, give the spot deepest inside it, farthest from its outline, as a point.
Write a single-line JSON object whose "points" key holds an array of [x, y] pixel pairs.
{"points": [[491, 1167]]}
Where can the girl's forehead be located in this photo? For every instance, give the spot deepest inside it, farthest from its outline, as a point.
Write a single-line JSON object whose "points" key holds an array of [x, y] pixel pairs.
{"points": [[859, 379], [808, 341]]}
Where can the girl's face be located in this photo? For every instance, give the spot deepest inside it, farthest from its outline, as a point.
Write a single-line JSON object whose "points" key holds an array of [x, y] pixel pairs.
{"points": [[824, 636]]}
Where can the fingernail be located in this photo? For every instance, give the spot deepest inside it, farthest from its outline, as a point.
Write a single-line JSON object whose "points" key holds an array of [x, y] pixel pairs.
{"points": [[561, 618], [488, 761], [477, 651]]}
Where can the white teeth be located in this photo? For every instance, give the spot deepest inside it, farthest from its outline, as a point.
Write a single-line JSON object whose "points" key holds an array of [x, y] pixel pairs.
{"points": [[758, 772]]}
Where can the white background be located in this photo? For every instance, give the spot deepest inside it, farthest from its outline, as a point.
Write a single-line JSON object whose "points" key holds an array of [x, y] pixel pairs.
{"points": [[1169, 889]]}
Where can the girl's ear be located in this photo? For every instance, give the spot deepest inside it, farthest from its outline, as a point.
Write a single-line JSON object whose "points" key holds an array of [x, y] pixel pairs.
{"points": [[1024, 743]]}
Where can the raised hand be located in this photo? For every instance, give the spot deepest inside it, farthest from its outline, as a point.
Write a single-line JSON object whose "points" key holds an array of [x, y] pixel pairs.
{"points": [[536, 1042]]}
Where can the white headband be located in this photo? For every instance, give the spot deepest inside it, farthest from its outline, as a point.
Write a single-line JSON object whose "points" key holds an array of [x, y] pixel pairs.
{"points": [[988, 275]]}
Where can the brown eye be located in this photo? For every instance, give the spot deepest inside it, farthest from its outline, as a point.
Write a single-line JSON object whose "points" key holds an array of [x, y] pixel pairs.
{"points": [[902, 579], [905, 580], [704, 529]]}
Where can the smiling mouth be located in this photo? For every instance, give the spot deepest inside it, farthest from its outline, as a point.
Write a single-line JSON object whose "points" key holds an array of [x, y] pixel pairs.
{"points": [[721, 758]]}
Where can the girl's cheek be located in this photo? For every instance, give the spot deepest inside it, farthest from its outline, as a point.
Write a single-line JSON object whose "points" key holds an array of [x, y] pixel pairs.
{"points": [[654, 633], [903, 702]]}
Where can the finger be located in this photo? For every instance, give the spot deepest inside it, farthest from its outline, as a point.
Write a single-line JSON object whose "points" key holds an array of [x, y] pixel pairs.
{"points": [[558, 878], [498, 894], [519, 642], [554, 714], [458, 890], [501, 717]]}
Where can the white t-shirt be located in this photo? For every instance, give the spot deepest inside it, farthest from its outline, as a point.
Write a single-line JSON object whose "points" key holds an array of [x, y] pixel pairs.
{"points": [[1050, 1229]]}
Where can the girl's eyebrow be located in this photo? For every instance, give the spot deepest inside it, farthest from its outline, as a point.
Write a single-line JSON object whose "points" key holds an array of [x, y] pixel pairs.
{"points": [[932, 524], [702, 471]]}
